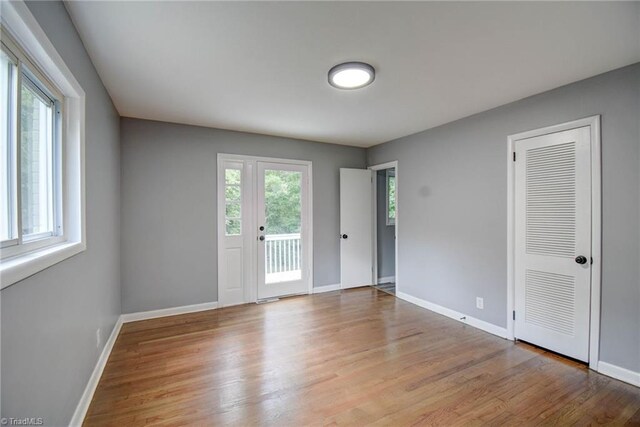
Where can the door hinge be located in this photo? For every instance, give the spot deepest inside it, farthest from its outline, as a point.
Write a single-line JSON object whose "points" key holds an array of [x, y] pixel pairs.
{"points": [[514, 315], [514, 156]]}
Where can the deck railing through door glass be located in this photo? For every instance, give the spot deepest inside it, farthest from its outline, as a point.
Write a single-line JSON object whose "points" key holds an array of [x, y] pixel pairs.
{"points": [[283, 257]]}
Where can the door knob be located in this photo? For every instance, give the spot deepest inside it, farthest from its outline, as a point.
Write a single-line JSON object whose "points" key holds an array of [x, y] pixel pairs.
{"points": [[581, 259], [344, 236], [261, 238], [262, 228]]}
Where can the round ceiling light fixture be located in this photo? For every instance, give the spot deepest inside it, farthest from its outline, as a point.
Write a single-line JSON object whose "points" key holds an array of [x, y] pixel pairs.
{"points": [[351, 75]]}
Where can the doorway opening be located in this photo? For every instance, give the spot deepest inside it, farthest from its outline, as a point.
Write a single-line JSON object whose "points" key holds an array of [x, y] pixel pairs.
{"points": [[385, 227]]}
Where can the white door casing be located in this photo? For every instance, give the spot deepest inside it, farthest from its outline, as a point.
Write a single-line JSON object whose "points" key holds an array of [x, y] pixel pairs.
{"points": [[356, 225], [290, 253], [553, 228], [375, 168]]}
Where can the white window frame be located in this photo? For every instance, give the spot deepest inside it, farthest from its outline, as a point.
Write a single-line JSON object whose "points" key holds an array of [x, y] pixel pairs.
{"points": [[20, 244], [389, 173], [26, 40]]}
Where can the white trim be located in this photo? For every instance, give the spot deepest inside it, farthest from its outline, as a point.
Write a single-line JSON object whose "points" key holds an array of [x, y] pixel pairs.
{"points": [[326, 288], [15, 269], [381, 166], [242, 157], [164, 312], [596, 242], [94, 379], [622, 374], [20, 23], [250, 161], [596, 226], [455, 315], [386, 279]]}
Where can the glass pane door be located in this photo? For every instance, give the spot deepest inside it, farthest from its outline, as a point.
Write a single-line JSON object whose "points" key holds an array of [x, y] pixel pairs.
{"points": [[281, 228], [283, 220]]}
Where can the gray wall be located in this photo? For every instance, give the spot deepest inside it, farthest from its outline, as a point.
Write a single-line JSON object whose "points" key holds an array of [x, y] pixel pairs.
{"points": [[49, 320], [453, 204], [169, 232], [385, 233]]}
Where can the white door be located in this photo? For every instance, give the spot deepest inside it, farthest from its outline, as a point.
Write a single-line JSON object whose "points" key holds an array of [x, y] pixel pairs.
{"points": [[234, 263], [282, 229], [553, 241], [356, 228]]}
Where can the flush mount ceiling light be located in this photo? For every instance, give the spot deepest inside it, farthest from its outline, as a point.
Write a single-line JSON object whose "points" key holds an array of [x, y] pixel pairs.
{"points": [[351, 75]]}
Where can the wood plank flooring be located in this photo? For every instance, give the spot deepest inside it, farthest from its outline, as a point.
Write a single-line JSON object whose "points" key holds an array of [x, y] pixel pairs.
{"points": [[350, 357]]}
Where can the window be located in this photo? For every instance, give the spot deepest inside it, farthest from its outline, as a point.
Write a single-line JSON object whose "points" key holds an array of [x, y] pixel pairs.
{"points": [[42, 110], [31, 155], [233, 201], [391, 196]]}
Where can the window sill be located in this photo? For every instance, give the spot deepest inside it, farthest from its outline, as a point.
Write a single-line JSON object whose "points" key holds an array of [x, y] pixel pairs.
{"points": [[13, 270]]}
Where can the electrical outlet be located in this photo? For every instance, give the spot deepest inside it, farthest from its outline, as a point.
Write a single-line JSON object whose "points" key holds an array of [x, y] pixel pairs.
{"points": [[98, 337], [480, 303]]}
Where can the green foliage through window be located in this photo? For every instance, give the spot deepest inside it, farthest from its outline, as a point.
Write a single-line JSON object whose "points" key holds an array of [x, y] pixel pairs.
{"points": [[232, 176], [233, 203], [283, 201]]}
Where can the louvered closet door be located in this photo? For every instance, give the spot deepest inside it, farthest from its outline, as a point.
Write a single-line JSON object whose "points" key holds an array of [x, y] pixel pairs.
{"points": [[553, 228]]}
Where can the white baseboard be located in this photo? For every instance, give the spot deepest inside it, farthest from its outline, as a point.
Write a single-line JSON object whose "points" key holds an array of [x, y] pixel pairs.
{"points": [[619, 373], [89, 390], [604, 368], [164, 312], [386, 279], [471, 321], [326, 288]]}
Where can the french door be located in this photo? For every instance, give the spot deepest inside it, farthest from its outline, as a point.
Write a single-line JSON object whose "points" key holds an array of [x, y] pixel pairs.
{"points": [[282, 228], [264, 228]]}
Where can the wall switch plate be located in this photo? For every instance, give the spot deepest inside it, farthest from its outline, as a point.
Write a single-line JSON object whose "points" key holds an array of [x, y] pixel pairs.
{"points": [[480, 303], [98, 337]]}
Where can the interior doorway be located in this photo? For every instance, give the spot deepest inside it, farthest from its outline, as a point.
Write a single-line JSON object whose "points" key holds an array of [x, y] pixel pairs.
{"points": [[385, 227]]}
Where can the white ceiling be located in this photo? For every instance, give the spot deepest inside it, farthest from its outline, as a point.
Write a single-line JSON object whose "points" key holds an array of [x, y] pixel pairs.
{"points": [[262, 66]]}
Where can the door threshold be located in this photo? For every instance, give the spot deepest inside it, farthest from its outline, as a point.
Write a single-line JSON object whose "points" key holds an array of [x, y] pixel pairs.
{"points": [[553, 353], [267, 300]]}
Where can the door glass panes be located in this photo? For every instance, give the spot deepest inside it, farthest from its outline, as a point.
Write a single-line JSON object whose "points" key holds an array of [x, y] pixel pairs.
{"points": [[233, 201], [283, 217], [36, 161], [7, 100]]}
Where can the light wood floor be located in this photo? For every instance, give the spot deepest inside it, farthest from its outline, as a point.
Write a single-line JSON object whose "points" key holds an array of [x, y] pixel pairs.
{"points": [[350, 358]]}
